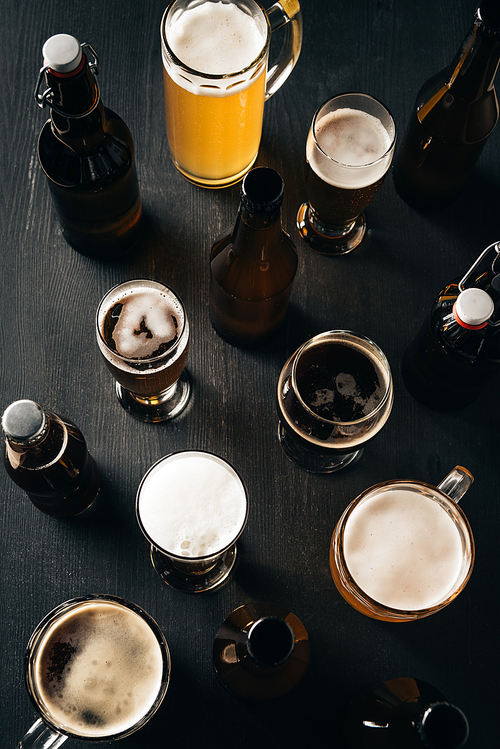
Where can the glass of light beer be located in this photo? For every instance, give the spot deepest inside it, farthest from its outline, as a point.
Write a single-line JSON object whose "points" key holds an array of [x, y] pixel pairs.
{"points": [[96, 669], [404, 550], [216, 80], [335, 393], [143, 335], [349, 149], [192, 507]]}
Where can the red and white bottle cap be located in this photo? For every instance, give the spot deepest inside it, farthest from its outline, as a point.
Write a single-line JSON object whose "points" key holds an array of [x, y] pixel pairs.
{"points": [[62, 53], [473, 308]]}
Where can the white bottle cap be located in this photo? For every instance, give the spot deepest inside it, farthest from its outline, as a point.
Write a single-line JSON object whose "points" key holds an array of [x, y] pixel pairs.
{"points": [[62, 53], [474, 306]]}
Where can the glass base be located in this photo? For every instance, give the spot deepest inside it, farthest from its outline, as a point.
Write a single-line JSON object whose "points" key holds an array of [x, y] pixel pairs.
{"points": [[313, 460], [187, 577], [215, 184], [330, 241], [162, 407]]}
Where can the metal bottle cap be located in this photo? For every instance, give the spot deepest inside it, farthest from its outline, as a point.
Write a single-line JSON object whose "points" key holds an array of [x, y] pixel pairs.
{"points": [[474, 307], [62, 53], [24, 422], [262, 190]]}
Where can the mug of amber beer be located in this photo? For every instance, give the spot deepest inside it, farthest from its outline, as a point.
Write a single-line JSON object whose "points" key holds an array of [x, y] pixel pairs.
{"points": [[404, 550], [216, 80], [96, 669]]}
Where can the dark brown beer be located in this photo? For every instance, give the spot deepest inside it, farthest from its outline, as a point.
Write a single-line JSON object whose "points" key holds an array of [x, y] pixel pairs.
{"points": [[143, 337]]}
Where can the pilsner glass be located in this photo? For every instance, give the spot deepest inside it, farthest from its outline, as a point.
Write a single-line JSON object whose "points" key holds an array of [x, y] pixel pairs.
{"points": [[102, 639], [403, 550], [335, 394], [349, 149], [143, 335], [216, 80], [192, 507]]}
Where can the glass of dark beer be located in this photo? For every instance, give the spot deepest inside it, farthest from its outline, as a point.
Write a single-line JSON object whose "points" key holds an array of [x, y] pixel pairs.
{"points": [[143, 335], [96, 669], [335, 394], [349, 149]]}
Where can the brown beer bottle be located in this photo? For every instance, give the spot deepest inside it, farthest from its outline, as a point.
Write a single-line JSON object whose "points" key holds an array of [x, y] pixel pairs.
{"points": [[87, 154], [253, 265], [403, 713], [261, 651], [456, 352], [455, 112], [47, 457]]}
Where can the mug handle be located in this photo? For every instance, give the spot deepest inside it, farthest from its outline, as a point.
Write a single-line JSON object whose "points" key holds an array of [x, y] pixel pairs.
{"points": [[40, 736], [456, 483], [285, 13]]}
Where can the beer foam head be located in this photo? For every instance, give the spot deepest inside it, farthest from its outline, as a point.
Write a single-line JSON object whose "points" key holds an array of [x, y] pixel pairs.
{"points": [[99, 669], [353, 148], [146, 321], [403, 549], [217, 38], [192, 504]]}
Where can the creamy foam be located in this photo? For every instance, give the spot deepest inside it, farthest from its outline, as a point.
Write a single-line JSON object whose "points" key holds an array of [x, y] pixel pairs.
{"points": [[352, 138], [215, 38], [403, 549], [192, 504], [99, 669]]}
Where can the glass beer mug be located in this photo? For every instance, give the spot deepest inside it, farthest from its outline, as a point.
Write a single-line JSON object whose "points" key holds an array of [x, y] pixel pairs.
{"points": [[403, 550], [216, 80]]}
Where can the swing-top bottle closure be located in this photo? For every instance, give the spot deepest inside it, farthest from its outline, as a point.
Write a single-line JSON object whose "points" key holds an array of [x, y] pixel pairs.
{"points": [[474, 307], [63, 56]]}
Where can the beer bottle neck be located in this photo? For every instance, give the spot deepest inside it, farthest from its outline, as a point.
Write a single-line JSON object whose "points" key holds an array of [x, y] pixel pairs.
{"points": [[256, 235], [471, 73], [77, 114]]}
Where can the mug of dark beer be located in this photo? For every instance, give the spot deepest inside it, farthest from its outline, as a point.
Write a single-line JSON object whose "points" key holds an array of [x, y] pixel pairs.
{"points": [[96, 669], [349, 149]]}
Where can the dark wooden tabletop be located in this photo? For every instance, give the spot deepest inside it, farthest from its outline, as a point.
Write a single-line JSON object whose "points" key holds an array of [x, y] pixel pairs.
{"points": [[49, 294]]}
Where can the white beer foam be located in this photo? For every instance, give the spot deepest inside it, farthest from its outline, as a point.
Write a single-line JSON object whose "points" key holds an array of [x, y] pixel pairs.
{"points": [[351, 143], [403, 549], [153, 312], [215, 38], [114, 674], [192, 504]]}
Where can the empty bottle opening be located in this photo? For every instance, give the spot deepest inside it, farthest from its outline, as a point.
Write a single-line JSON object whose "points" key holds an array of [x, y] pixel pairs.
{"points": [[444, 727], [270, 641]]}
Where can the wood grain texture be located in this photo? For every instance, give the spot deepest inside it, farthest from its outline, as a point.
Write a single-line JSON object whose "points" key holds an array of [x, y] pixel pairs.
{"points": [[49, 295]]}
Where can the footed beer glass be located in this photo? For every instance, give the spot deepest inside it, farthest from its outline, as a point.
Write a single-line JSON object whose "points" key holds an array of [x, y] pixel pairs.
{"points": [[349, 149], [143, 335], [216, 80], [334, 395]]}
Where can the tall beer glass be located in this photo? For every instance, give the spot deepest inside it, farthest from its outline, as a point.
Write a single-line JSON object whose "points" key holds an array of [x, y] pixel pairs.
{"points": [[334, 395], [349, 149], [216, 79], [192, 507], [404, 550], [143, 335], [96, 669]]}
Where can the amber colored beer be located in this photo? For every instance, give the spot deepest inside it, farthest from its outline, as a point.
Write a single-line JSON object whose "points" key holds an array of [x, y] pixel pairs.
{"points": [[214, 72]]}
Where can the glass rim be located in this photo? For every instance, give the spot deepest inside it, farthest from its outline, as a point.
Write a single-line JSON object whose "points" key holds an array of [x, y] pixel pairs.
{"points": [[377, 607], [159, 286], [52, 617], [317, 339], [173, 555], [341, 163], [213, 76]]}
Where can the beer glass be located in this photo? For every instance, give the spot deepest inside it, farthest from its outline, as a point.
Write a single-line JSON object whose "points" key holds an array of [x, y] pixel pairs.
{"points": [[192, 507], [216, 80], [143, 335], [349, 149], [404, 550], [96, 669], [335, 394]]}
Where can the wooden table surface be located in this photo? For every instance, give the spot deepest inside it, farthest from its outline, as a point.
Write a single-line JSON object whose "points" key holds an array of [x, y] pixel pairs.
{"points": [[49, 295]]}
